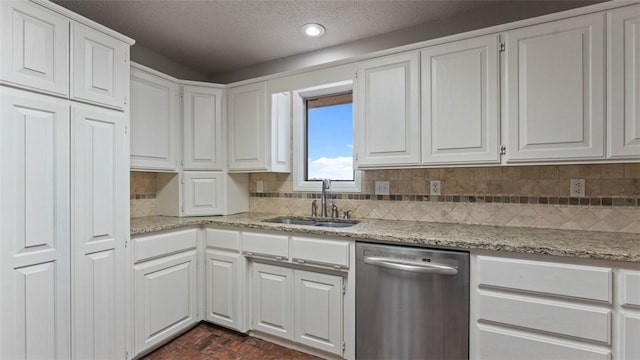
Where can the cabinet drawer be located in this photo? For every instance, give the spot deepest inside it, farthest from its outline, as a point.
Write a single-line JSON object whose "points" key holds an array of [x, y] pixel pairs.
{"points": [[631, 288], [320, 251], [223, 239], [548, 316], [265, 244], [152, 246], [493, 344], [586, 282]]}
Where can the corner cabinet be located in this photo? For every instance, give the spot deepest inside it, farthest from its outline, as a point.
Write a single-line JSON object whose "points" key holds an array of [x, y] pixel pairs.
{"points": [[624, 82], [387, 124], [203, 138], [258, 140], [154, 120], [203, 193], [554, 94], [460, 102]]}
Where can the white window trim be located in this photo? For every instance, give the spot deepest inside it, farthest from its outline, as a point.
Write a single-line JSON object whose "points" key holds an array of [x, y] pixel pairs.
{"points": [[299, 139]]}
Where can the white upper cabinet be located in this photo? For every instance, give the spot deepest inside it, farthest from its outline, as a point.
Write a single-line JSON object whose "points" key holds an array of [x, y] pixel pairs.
{"points": [[247, 127], [100, 67], [203, 193], [259, 141], [202, 117], [624, 82], [39, 40], [388, 111], [554, 90], [154, 121], [34, 226], [460, 99]]}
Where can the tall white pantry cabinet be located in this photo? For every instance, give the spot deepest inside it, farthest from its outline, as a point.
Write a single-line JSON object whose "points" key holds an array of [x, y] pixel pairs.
{"points": [[64, 88]]}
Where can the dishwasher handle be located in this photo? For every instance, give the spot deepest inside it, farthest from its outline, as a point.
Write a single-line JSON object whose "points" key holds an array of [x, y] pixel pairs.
{"points": [[411, 266]]}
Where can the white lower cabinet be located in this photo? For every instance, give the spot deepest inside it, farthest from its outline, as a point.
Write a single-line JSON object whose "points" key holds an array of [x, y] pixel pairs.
{"points": [[224, 275], [165, 298], [318, 310], [531, 309], [272, 300], [165, 295]]}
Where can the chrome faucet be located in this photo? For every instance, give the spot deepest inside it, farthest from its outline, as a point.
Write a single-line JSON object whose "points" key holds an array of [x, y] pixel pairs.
{"points": [[334, 211], [326, 184]]}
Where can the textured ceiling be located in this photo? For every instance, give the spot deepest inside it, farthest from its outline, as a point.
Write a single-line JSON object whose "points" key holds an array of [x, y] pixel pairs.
{"points": [[218, 36]]}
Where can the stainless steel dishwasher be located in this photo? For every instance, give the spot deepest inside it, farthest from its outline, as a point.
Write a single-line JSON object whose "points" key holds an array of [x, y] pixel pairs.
{"points": [[411, 303]]}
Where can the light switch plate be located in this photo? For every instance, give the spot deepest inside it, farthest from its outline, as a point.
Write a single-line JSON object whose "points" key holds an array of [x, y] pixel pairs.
{"points": [[260, 186], [382, 188], [435, 187], [577, 188]]}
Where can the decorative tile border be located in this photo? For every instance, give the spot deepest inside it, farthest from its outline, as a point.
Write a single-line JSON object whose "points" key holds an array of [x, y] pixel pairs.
{"points": [[503, 199], [141, 196]]}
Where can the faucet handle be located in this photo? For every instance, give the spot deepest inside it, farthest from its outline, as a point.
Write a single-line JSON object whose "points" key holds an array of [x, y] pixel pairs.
{"points": [[347, 214], [334, 211], [314, 208]]}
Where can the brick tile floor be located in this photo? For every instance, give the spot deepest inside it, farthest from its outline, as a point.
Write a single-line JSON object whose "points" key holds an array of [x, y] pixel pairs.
{"points": [[207, 341]]}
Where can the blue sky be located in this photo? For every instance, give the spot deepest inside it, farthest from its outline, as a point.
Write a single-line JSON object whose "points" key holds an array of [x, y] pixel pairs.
{"points": [[330, 142]]}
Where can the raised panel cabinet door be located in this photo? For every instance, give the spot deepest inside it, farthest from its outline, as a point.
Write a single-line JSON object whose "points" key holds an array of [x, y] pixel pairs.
{"points": [[460, 100], [154, 122], [165, 298], [272, 300], [281, 132], [247, 126], [34, 226], [35, 43], [318, 311], [203, 193], [203, 149], [624, 82], [388, 111], [100, 67], [225, 300], [554, 94], [99, 202]]}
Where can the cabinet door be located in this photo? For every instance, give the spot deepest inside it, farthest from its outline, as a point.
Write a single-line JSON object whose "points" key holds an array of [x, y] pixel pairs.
{"points": [[203, 193], [154, 120], [624, 82], [247, 127], [281, 132], [34, 226], [225, 298], [36, 45], [272, 300], [555, 90], [99, 211], [318, 310], [460, 100], [203, 148], [100, 67], [165, 298], [388, 111]]}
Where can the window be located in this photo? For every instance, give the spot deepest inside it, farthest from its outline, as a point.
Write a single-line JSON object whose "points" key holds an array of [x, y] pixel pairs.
{"points": [[323, 138], [329, 145]]}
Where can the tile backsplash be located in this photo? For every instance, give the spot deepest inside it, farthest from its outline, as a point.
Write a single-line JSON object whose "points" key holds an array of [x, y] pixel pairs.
{"points": [[142, 195], [530, 196]]}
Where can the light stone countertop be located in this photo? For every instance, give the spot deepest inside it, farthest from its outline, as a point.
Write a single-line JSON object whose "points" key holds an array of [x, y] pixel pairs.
{"points": [[579, 244]]}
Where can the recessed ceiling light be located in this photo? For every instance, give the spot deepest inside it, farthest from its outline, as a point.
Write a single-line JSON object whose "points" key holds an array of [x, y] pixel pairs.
{"points": [[313, 30]]}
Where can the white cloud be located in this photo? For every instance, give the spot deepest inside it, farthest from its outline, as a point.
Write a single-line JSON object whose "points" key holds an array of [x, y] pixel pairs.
{"points": [[350, 146], [339, 168]]}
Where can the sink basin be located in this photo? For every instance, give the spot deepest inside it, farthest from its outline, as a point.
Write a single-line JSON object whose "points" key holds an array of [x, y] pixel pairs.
{"points": [[296, 220]]}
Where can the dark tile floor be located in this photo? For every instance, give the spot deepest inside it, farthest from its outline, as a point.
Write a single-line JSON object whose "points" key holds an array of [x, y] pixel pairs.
{"points": [[207, 341]]}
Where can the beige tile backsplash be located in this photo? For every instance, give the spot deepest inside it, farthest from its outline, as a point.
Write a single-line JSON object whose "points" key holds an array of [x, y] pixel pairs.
{"points": [[607, 182]]}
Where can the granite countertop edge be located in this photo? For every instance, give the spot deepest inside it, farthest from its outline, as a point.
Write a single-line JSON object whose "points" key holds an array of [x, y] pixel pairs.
{"points": [[596, 245]]}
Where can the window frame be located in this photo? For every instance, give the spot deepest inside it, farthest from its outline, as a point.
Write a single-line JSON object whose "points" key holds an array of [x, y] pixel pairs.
{"points": [[300, 139]]}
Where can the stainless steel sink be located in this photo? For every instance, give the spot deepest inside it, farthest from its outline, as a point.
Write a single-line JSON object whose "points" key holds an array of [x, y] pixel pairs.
{"points": [[297, 220]]}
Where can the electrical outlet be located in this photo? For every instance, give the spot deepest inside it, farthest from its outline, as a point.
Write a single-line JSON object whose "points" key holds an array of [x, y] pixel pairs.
{"points": [[435, 187], [260, 186], [577, 188], [382, 188]]}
